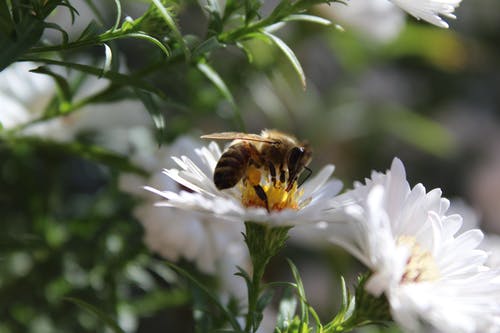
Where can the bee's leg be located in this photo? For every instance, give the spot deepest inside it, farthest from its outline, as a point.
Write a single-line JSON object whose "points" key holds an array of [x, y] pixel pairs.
{"points": [[272, 171], [262, 195], [282, 174]]}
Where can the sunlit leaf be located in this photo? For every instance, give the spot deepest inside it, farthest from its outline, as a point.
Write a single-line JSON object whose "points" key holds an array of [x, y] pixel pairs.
{"points": [[308, 18], [214, 77], [290, 55], [108, 57], [118, 15]]}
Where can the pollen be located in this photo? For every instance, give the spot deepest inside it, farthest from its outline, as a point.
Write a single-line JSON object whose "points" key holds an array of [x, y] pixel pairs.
{"points": [[421, 265], [276, 195]]}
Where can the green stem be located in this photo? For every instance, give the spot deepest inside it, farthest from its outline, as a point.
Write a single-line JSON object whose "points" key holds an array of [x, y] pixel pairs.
{"points": [[276, 16], [253, 297], [102, 38], [263, 243]]}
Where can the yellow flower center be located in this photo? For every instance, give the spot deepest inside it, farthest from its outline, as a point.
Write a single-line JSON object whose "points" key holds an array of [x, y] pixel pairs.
{"points": [[275, 192], [420, 265]]}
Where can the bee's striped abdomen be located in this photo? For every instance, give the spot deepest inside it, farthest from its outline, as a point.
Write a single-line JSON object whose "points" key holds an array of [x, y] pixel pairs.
{"points": [[231, 166]]}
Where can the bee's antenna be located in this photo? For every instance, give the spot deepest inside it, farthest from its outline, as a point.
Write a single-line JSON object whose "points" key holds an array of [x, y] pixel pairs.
{"points": [[309, 173]]}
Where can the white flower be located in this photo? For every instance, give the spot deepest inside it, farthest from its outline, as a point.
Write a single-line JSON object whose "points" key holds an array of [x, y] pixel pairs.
{"points": [[215, 246], [428, 272], [429, 10], [297, 206]]}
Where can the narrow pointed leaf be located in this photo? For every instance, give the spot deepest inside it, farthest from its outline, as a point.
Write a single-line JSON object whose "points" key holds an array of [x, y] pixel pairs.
{"points": [[64, 34], [304, 314], [118, 15], [61, 82], [290, 55], [154, 111], [140, 35], [110, 322], [108, 57], [308, 18], [214, 77]]}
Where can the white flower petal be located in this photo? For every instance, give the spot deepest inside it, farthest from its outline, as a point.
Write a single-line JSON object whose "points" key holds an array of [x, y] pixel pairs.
{"points": [[429, 10], [388, 224]]}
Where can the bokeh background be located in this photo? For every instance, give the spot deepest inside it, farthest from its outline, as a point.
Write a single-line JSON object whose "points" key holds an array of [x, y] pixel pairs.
{"points": [[379, 85]]}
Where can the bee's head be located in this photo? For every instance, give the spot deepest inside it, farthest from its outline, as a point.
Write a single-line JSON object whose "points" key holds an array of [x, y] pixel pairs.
{"points": [[298, 157]]}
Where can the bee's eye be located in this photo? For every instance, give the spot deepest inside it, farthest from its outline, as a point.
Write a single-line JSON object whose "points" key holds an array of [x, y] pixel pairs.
{"points": [[295, 155]]}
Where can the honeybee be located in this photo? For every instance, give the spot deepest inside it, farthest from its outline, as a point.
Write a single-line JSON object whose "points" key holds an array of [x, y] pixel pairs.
{"points": [[281, 155]]}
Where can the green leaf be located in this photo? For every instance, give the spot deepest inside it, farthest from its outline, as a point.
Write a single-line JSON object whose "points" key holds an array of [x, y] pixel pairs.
{"points": [[51, 25], [110, 322], [118, 15], [108, 57], [290, 55], [27, 33], [207, 46], [91, 30], [234, 323], [214, 77], [308, 18], [304, 314], [246, 50], [154, 111], [264, 300], [62, 84], [241, 272], [154, 41]]}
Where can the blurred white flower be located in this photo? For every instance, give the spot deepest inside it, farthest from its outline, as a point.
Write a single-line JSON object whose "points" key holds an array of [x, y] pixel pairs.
{"points": [[379, 20], [25, 95], [287, 208], [215, 246], [430, 10], [430, 274]]}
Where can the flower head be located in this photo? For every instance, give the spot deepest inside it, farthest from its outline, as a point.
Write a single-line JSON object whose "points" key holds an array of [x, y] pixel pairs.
{"points": [[430, 10], [429, 273], [287, 204]]}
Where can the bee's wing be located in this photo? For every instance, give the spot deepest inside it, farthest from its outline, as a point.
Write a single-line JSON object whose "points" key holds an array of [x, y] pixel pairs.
{"points": [[237, 136]]}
